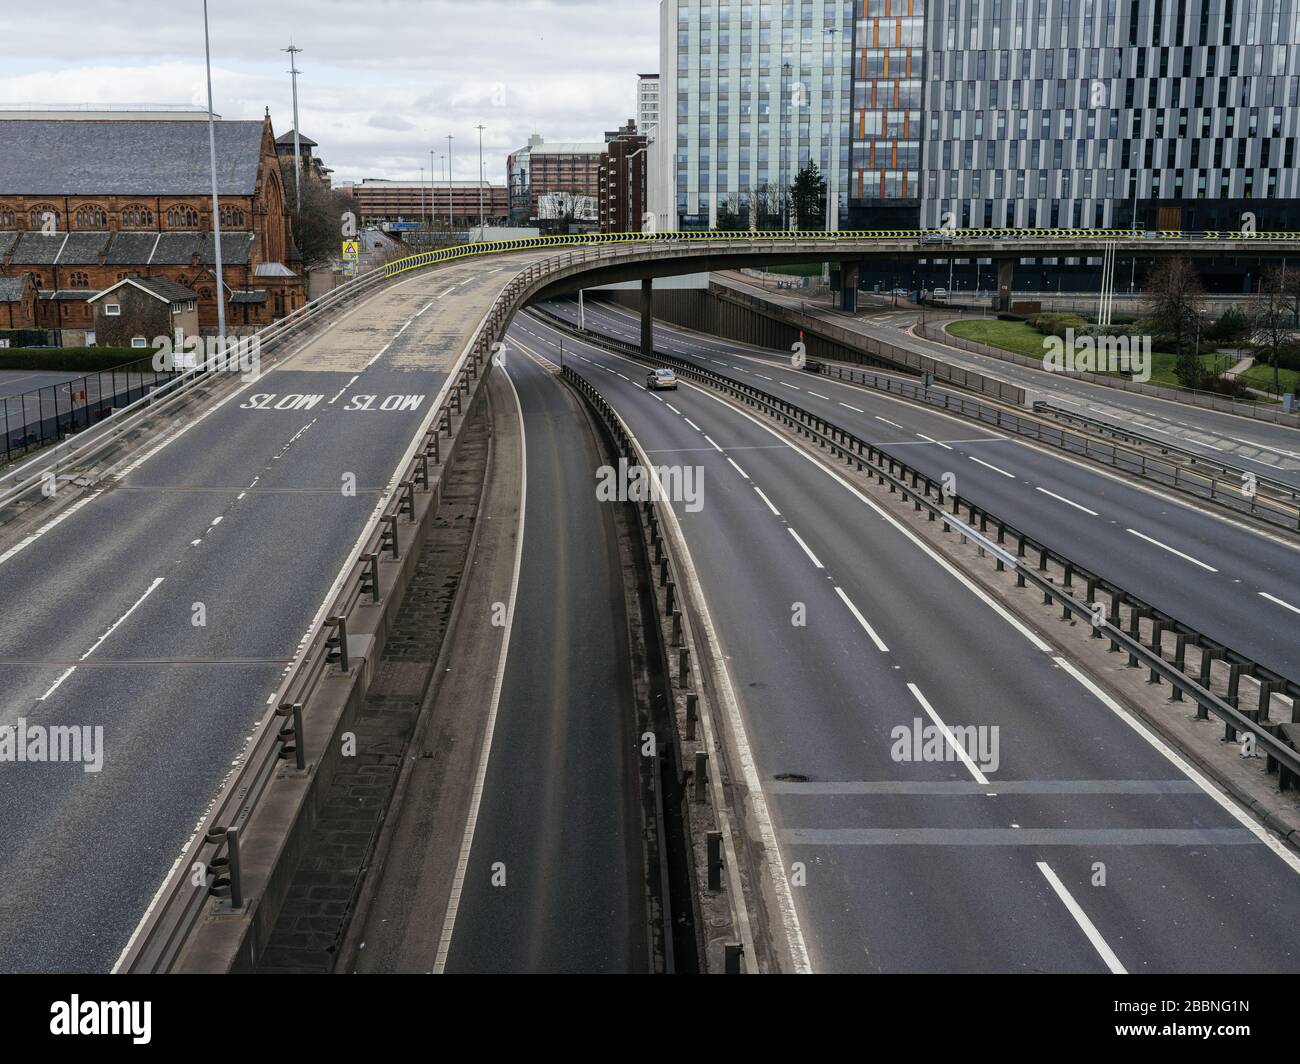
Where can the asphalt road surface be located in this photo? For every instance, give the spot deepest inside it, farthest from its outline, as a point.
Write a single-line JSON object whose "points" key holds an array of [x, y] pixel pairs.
{"points": [[1083, 845], [560, 816], [1233, 584], [166, 606], [1258, 445]]}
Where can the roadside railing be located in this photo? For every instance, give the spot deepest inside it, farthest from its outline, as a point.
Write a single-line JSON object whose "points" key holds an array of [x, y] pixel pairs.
{"points": [[695, 734], [857, 344], [1192, 397], [280, 739], [1125, 620], [1225, 485]]}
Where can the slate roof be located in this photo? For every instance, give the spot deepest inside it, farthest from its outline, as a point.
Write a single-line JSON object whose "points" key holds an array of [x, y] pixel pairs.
{"points": [[11, 289], [124, 249], [303, 140], [258, 296], [126, 158], [168, 291]]}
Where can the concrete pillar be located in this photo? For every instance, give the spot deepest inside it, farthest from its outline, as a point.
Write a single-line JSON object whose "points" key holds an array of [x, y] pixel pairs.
{"points": [[850, 273], [647, 316], [1006, 285]]}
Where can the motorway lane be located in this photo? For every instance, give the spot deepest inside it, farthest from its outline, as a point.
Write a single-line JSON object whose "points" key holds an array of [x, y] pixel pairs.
{"points": [[926, 865], [242, 511], [1259, 445], [1210, 573], [561, 809]]}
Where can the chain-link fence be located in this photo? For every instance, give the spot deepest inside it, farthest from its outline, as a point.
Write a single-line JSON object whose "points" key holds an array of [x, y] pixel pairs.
{"points": [[42, 416]]}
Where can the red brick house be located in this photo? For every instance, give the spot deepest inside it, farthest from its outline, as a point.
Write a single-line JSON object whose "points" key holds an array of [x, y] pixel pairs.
{"points": [[86, 203]]}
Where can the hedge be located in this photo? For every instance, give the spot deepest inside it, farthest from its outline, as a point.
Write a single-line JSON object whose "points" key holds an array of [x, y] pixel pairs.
{"points": [[70, 359]]}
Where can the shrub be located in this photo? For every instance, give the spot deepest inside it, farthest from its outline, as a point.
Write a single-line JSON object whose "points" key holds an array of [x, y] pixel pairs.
{"points": [[1228, 386], [1231, 325]]}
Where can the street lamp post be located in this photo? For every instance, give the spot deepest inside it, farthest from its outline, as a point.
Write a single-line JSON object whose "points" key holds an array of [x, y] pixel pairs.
{"points": [[216, 196], [433, 176], [297, 147], [482, 223], [451, 221]]}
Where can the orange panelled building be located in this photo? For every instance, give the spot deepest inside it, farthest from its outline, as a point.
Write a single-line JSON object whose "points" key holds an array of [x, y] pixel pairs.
{"points": [[888, 61]]}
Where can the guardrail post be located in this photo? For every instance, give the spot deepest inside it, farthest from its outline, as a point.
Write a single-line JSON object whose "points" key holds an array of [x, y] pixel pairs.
{"points": [[670, 598], [336, 646], [1233, 696], [1157, 648], [1265, 702], [229, 865], [406, 502], [422, 472], [683, 664], [701, 775], [370, 577], [1135, 633], [715, 860], [388, 538], [677, 628], [1208, 657], [732, 954], [1180, 663], [692, 714], [291, 734]]}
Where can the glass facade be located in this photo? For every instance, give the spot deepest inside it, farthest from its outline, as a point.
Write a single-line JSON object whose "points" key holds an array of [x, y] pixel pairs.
{"points": [[888, 56], [758, 91]]}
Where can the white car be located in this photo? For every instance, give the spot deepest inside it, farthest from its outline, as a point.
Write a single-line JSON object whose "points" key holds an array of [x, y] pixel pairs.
{"points": [[664, 379]]}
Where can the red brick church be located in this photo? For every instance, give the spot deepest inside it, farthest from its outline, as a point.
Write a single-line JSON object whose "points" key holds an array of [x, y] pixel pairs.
{"points": [[88, 201]]}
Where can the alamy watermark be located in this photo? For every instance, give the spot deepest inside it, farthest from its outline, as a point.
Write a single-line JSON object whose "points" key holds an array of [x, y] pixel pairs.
{"points": [[67, 744], [638, 483], [242, 355], [928, 743], [1072, 353]]}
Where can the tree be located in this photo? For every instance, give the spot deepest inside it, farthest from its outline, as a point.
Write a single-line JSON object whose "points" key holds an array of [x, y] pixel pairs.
{"points": [[317, 223], [1176, 309], [1271, 319], [808, 197], [730, 217]]}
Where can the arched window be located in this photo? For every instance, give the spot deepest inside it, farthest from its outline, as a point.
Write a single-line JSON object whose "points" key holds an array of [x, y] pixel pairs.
{"points": [[232, 218], [45, 218], [91, 216], [78, 279], [7, 219], [182, 217], [137, 216]]}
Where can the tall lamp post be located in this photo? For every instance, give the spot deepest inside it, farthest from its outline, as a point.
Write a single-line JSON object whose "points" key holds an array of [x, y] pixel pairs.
{"points": [[482, 223], [451, 220], [297, 146], [216, 200], [433, 176]]}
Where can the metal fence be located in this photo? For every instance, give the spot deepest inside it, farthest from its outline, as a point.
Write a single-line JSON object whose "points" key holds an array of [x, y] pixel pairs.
{"points": [[1151, 638], [34, 419], [1208, 400]]}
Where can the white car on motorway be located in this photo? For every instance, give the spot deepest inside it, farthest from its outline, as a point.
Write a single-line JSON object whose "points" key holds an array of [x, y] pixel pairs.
{"points": [[658, 379]]}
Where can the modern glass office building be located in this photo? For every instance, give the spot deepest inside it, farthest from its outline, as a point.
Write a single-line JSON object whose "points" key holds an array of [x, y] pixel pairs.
{"points": [[1029, 113], [751, 92]]}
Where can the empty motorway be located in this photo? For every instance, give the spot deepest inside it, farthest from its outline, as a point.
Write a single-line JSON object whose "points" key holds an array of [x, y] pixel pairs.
{"points": [[839, 627]]}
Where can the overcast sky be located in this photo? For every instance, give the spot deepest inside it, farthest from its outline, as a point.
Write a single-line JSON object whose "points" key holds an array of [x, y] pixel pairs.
{"points": [[383, 80]]}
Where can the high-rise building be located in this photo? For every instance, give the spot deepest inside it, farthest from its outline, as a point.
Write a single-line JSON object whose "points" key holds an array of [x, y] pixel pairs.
{"points": [[622, 193], [555, 182], [1071, 113], [1028, 113], [750, 93], [647, 102]]}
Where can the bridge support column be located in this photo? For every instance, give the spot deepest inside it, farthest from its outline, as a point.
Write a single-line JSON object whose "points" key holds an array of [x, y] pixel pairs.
{"points": [[1006, 285], [850, 274], [647, 317]]}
